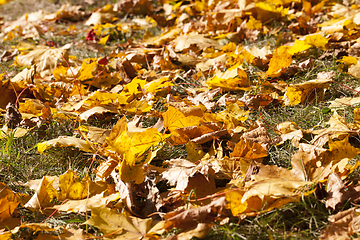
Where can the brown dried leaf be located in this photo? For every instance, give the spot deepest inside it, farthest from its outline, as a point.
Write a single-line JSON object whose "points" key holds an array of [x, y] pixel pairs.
{"points": [[186, 218], [259, 135], [339, 225], [180, 170], [338, 194], [13, 116]]}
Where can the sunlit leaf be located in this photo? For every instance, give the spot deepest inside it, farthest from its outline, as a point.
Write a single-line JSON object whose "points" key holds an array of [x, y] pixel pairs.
{"points": [[65, 141], [8, 202], [279, 62], [120, 224]]}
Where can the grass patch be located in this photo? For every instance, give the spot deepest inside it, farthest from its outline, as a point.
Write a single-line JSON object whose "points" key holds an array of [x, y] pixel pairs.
{"points": [[298, 220]]}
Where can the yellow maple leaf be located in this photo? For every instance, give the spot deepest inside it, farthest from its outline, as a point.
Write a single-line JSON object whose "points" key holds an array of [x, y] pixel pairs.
{"points": [[252, 23], [136, 148], [71, 187], [137, 107], [349, 60], [135, 87], [60, 72], [98, 98], [249, 149], [299, 46], [31, 106], [122, 225], [233, 116], [279, 62], [65, 141], [342, 149], [174, 118], [158, 85], [310, 91], [44, 193], [88, 69], [232, 79], [267, 10], [317, 40], [8, 202], [264, 195]]}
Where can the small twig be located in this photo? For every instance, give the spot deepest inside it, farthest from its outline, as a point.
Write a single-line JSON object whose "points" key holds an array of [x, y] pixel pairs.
{"points": [[95, 78], [18, 97], [262, 117], [76, 81], [357, 92], [93, 159], [55, 211]]}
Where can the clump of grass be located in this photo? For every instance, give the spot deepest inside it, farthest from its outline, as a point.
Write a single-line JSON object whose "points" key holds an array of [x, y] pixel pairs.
{"points": [[20, 161], [297, 220]]}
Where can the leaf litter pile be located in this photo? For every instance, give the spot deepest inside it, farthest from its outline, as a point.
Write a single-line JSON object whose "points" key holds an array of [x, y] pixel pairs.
{"points": [[195, 76]]}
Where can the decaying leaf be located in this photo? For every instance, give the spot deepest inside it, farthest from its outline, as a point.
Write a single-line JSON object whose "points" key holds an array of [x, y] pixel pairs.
{"points": [[338, 193], [186, 219], [342, 225], [13, 116], [180, 170]]}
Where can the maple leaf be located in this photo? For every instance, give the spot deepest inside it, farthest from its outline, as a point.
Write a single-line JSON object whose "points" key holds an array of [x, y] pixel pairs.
{"points": [[44, 58], [180, 170], [264, 195], [338, 194], [310, 91], [280, 60], [122, 225], [137, 147], [72, 188], [248, 149], [44, 193], [8, 202], [85, 205], [184, 123], [342, 224], [102, 15], [182, 43], [187, 219], [65, 141], [232, 79]]}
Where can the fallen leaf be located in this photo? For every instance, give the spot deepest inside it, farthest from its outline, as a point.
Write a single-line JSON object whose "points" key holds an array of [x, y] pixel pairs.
{"points": [[340, 225], [121, 225], [45, 58], [8, 202], [43, 196], [85, 205], [186, 219], [280, 60], [338, 194], [65, 141]]}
